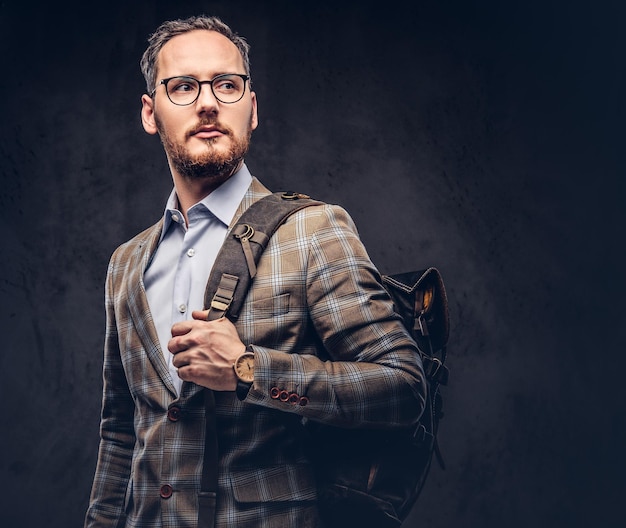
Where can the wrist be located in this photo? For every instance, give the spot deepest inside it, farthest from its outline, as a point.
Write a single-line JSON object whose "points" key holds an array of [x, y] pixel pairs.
{"points": [[244, 372]]}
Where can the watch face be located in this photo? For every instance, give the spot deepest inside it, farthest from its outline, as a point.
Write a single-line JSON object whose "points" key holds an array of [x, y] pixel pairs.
{"points": [[244, 367]]}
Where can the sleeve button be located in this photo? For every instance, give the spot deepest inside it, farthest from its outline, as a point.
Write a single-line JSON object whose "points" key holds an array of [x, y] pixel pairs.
{"points": [[166, 491]]}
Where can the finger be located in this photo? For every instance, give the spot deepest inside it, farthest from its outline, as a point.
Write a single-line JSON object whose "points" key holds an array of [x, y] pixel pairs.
{"points": [[180, 360], [181, 328], [181, 343], [200, 315], [182, 374], [175, 346]]}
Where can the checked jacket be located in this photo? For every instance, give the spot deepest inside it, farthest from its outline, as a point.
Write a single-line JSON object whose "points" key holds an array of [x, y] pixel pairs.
{"points": [[322, 328]]}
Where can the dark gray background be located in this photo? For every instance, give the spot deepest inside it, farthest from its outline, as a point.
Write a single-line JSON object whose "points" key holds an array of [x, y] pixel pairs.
{"points": [[482, 137]]}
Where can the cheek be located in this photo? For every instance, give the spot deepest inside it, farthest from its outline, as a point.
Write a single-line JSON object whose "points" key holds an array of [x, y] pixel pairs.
{"points": [[170, 122], [248, 120]]}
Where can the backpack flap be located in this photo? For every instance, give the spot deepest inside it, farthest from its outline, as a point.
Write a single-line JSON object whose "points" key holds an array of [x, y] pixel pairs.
{"points": [[420, 299]]}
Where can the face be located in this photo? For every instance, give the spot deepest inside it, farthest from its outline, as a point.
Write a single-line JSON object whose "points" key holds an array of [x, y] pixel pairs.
{"points": [[206, 139]]}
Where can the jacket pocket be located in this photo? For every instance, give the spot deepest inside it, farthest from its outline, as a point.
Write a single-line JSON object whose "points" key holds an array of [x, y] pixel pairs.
{"points": [[272, 307], [275, 483]]}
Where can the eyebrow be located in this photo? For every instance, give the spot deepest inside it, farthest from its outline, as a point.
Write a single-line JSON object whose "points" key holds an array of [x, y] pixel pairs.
{"points": [[199, 78]]}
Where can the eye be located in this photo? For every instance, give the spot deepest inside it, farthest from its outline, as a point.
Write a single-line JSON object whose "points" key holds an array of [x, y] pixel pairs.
{"points": [[182, 85], [227, 85]]}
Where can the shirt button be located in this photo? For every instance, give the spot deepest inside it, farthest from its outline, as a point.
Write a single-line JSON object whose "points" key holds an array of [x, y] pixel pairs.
{"points": [[166, 491], [175, 218], [182, 308], [191, 252]]}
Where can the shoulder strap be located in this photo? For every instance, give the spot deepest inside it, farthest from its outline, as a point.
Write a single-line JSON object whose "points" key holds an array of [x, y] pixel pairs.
{"points": [[235, 265], [228, 284]]}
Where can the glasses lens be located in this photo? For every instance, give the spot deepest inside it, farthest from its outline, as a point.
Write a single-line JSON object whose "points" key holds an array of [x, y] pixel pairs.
{"points": [[182, 90], [228, 88]]}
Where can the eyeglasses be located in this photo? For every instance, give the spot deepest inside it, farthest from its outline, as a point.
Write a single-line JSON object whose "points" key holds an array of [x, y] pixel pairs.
{"points": [[184, 90]]}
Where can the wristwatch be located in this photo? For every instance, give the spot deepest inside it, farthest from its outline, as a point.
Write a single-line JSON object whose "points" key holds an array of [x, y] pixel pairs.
{"points": [[244, 370]]}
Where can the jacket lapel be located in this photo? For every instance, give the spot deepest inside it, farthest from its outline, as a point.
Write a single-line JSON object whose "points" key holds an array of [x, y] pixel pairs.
{"points": [[138, 303]]}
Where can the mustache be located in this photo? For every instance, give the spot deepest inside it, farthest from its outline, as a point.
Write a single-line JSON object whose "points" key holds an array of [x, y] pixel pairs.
{"points": [[207, 121]]}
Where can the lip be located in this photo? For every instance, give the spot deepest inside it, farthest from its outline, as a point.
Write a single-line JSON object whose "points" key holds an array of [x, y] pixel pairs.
{"points": [[206, 132]]}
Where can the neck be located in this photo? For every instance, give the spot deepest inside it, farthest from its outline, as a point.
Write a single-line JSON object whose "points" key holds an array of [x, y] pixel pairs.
{"points": [[190, 191]]}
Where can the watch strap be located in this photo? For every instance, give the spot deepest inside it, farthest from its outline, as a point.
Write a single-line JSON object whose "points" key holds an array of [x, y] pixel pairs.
{"points": [[242, 389]]}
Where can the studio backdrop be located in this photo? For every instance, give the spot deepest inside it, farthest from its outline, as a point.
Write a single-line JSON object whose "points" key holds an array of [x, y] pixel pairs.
{"points": [[483, 138]]}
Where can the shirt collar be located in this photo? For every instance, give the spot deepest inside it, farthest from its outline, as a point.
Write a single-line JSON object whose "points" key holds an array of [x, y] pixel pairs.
{"points": [[222, 202]]}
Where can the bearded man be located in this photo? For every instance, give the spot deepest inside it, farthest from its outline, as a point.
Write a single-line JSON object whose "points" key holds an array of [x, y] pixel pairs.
{"points": [[309, 325]]}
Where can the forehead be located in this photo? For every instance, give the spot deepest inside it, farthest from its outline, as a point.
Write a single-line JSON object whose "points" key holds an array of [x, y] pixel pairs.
{"points": [[200, 53]]}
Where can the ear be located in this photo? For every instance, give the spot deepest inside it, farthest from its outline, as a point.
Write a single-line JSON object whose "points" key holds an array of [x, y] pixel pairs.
{"points": [[254, 121], [147, 114]]}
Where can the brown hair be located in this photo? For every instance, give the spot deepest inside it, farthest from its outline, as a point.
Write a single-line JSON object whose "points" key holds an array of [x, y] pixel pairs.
{"points": [[171, 28]]}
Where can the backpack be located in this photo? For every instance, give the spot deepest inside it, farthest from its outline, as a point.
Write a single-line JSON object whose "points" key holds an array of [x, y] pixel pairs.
{"points": [[366, 478]]}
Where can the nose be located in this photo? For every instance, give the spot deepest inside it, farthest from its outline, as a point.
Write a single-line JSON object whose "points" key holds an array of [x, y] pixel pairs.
{"points": [[206, 102]]}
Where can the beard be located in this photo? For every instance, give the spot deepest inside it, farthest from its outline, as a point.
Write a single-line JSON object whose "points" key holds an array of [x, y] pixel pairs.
{"points": [[212, 164]]}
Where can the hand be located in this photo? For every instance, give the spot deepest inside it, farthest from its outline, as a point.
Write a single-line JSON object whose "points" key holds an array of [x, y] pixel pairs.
{"points": [[204, 351]]}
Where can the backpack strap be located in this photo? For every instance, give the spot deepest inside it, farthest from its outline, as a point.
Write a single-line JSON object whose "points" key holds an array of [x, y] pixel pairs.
{"points": [[228, 284], [235, 265]]}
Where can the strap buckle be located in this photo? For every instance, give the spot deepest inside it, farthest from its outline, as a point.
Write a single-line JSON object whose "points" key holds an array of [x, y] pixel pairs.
{"points": [[223, 297], [290, 195], [247, 234]]}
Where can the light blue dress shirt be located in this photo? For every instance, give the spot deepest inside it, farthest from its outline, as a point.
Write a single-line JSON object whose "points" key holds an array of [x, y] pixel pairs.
{"points": [[176, 278]]}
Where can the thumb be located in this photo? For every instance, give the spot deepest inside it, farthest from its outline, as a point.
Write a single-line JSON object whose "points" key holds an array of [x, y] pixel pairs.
{"points": [[200, 315]]}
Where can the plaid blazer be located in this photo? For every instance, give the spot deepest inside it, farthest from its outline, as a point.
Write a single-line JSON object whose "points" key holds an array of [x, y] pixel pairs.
{"points": [[316, 297]]}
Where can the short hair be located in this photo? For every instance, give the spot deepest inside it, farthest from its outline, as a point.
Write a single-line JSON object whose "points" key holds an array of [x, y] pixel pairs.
{"points": [[171, 28]]}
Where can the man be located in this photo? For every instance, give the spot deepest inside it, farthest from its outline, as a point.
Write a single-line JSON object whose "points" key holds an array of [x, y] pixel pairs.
{"points": [[316, 322]]}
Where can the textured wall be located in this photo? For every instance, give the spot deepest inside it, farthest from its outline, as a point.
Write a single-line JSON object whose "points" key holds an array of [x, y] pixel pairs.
{"points": [[481, 137]]}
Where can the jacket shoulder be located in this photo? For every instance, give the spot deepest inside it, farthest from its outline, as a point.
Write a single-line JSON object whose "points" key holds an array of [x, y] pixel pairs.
{"points": [[146, 240]]}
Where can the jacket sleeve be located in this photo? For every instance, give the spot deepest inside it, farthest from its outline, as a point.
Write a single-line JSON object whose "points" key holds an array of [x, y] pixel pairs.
{"points": [[117, 437], [367, 371]]}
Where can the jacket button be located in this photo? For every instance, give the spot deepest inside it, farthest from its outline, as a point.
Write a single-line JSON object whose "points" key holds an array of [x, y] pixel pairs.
{"points": [[293, 398], [166, 491], [274, 393], [173, 414], [283, 396], [303, 401]]}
